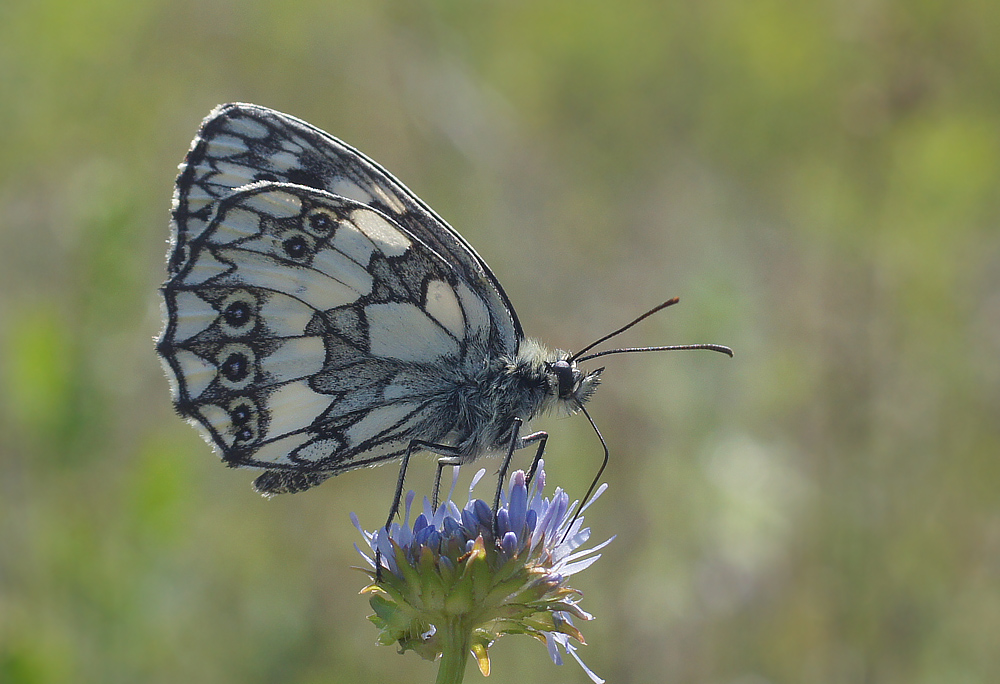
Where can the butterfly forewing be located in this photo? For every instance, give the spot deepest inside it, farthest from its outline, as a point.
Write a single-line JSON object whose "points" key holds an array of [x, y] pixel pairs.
{"points": [[312, 332], [240, 144]]}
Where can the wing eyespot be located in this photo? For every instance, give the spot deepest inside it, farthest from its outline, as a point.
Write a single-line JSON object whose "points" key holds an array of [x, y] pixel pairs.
{"points": [[236, 366], [242, 411], [239, 313], [321, 222], [246, 422], [296, 245]]}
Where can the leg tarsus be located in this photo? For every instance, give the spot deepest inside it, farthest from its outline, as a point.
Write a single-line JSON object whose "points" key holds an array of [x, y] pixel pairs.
{"points": [[516, 442], [542, 438], [414, 445], [502, 474], [441, 465]]}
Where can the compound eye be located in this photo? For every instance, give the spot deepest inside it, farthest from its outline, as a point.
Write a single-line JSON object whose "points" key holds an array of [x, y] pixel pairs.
{"points": [[565, 374]]}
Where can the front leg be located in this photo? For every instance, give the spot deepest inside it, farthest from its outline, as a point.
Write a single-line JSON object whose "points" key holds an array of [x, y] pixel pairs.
{"points": [[517, 442]]}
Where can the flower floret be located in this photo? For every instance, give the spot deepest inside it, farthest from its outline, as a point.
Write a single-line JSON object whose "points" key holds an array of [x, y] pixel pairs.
{"points": [[479, 575]]}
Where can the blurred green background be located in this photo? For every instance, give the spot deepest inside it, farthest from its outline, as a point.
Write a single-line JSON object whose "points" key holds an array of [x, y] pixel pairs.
{"points": [[818, 183]]}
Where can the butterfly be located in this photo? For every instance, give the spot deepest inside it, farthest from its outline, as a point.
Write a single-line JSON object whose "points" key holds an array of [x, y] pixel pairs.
{"points": [[319, 317]]}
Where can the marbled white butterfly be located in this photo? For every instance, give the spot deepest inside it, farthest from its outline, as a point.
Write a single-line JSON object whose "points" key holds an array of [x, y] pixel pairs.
{"points": [[320, 317]]}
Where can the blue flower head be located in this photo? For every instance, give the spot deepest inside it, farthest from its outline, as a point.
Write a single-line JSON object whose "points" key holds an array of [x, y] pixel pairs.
{"points": [[451, 582]]}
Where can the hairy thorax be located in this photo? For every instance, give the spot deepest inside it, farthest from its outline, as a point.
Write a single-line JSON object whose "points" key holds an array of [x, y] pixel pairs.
{"points": [[486, 400]]}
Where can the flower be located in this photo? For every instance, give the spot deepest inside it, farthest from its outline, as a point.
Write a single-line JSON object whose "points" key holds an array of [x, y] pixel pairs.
{"points": [[457, 579]]}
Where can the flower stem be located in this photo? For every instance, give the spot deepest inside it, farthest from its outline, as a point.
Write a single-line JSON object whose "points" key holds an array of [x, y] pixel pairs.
{"points": [[455, 649]]}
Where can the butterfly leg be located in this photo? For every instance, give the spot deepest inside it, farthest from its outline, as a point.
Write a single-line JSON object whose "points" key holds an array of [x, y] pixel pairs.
{"points": [[542, 438], [449, 452], [517, 442], [442, 463]]}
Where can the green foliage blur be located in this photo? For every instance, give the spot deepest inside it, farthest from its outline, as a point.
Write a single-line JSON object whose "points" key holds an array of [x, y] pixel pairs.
{"points": [[817, 181]]}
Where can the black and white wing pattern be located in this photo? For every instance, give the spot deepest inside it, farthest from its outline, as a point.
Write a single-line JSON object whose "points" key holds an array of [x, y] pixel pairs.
{"points": [[239, 144], [316, 311]]}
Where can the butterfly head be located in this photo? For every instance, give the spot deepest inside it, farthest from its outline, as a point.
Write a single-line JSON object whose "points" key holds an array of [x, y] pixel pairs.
{"points": [[572, 387]]}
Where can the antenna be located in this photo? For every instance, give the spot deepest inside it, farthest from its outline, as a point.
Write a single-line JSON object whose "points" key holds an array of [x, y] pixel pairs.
{"points": [[658, 307], [677, 347], [579, 356]]}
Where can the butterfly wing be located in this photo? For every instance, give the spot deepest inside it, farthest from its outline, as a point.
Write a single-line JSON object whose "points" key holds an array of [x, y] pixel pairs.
{"points": [[309, 333], [239, 144]]}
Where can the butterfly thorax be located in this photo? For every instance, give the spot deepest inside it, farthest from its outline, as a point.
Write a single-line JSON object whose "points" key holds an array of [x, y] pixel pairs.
{"points": [[534, 382]]}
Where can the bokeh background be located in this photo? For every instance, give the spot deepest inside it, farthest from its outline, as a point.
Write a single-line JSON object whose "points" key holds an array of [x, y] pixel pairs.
{"points": [[817, 181]]}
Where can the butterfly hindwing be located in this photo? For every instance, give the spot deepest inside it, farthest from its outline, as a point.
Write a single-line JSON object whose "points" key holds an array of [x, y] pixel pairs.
{"points": [[309, 333]]}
